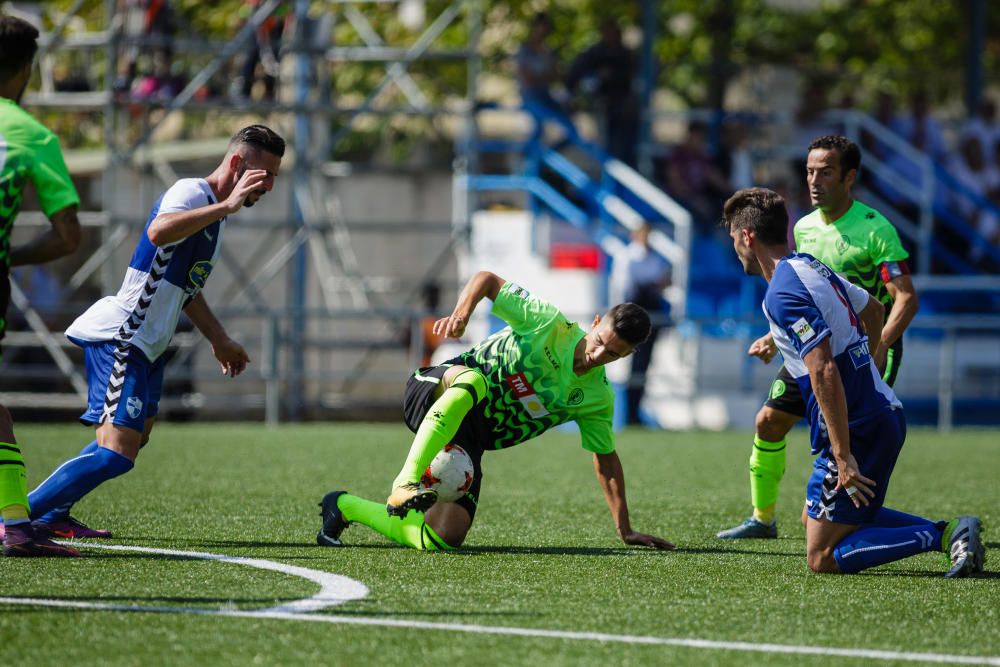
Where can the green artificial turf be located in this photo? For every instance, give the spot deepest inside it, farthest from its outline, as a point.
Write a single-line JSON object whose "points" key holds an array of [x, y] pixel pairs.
{"points": [[542, 554]]}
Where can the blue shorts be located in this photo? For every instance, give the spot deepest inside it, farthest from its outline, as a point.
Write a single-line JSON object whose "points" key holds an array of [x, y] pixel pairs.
{"points": [[875, 445], [132, 396]]}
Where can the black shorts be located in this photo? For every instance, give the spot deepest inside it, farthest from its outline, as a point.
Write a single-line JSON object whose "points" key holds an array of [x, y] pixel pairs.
{"points": [[472, 432], [786, 396]]}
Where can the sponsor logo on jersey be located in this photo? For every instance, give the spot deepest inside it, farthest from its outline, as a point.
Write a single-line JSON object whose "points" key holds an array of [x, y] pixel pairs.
{"points": [[199, 273], [517, 291], [821, 268], [803, 330], [551, 357], [524, 392], [860, 355], [575, 397], [133, 406]]}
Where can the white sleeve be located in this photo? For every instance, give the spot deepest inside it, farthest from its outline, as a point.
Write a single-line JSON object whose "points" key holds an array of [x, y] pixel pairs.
{"points": [[183, 195], [858, 296]]}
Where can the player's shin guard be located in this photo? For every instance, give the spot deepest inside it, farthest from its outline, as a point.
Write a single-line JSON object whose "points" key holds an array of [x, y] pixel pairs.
{"points": [[870, 546], [411, 531], [76, 478], [441, 423], [767, 467], [13, 484]]}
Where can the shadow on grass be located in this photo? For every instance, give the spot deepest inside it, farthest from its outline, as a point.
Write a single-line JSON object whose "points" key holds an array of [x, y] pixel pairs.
{"points": [[154, 600], [928, 574]]}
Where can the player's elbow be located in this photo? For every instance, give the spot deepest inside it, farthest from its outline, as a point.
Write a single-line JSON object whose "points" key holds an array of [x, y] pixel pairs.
{"points": [[157, 234]]}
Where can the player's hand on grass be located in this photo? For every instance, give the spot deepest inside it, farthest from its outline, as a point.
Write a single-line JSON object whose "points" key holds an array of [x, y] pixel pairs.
{"points": [[250, 181], [849, 477], [643, 540], [763, 348], [232, 358], [452, 326]]}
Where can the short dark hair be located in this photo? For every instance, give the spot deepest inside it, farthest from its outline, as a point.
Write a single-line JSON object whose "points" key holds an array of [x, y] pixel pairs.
{"points": [[259, 137], [850, 154], [18, 45], [759, 210], [630, 323]]}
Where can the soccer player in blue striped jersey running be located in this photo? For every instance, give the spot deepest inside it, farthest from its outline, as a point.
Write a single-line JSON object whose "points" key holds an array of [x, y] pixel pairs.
{"points": [[824, 327], [124, 337]]}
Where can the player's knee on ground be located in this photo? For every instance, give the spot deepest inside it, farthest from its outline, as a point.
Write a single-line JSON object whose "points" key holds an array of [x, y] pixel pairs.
{"points": [[822, 561], [773, 425], [450, 521]]}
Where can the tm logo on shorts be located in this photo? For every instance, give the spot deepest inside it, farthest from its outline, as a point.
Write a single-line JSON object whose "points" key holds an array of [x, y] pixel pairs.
{"points": [[133, 406]]}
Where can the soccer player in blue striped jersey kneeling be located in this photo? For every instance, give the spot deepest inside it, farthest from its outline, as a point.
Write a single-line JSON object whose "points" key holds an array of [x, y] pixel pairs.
{"points": [[540, 371], [124, 337], [825, 327]]}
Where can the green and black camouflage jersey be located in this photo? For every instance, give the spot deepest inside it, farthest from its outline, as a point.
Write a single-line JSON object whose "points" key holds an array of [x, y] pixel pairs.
{"points": [[861, 245], [28, 152], [529, 373]]}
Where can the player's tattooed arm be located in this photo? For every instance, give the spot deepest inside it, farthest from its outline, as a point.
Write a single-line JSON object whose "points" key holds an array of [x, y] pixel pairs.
{"points": [[611, 477], [481, 286]]}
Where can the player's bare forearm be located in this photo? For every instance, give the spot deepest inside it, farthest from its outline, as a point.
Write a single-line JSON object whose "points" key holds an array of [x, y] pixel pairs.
{"points": [[872, 316], [61, 239], [205, 320], [173, 227], [904, 308], [482, 285], [611, 477], [829, 390]]}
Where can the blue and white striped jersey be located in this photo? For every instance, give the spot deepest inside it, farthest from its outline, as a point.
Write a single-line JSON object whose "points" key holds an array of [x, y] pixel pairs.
{"points": [[159, 281], [806, 303]]}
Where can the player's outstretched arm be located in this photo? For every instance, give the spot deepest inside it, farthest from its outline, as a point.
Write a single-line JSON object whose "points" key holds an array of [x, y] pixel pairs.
{"points": [[611, 477], [482, 285], [62, 238], [232, 358]]}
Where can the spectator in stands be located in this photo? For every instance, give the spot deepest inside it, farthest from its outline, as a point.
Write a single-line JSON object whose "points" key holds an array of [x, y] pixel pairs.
{"points": [[984, 126], [537, 70], [733, 158], [920, 128], [264, 50], [810, 119], [694, 179], [604, 74], [976, 178], [639, 275], [154, 23], [162, 83]]}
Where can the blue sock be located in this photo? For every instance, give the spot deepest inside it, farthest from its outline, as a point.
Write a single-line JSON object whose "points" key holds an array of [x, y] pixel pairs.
{"points": [[872, 545], [61, 512], [887, 518], [75, 479]]}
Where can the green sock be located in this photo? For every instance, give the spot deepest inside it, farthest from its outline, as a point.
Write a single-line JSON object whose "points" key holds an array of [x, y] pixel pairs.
{"points": [[13, 481], [410, 531], [441, 423], [767, 466]]}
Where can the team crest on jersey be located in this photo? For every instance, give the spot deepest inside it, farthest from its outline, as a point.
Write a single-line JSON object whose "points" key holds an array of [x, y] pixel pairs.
{"points": [[843, 244], [199, 273], [575, 397], [803, 330], [133, 406]]}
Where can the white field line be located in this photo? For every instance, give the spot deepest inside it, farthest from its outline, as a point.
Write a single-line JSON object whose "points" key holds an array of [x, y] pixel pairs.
{"points": [[336, 589]]}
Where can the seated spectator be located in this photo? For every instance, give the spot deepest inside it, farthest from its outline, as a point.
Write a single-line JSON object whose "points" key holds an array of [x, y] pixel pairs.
{"points": [[537, 70], [694, 179], [163, 83], [733, 158], [920, 128], [971, 171], [603, 74], [984, 126]]}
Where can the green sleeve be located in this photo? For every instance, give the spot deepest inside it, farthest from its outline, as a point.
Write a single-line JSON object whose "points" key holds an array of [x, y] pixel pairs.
{"points": [[523, 311], [884, 244], [51, 177], [596, 435]]}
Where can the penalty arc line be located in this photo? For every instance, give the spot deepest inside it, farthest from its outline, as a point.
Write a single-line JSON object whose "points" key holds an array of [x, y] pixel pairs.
{"points": [[337, 589]]}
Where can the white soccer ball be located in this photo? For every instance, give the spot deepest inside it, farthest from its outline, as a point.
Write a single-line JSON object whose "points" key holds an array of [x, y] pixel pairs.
{"points": [[450, 473]]}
